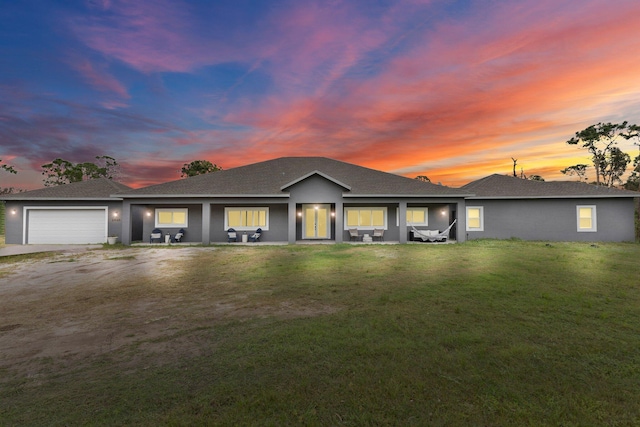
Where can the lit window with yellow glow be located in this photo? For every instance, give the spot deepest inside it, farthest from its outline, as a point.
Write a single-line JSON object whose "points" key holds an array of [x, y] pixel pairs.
{"points": [[417, 216], [366, 218], [246, 218], [586, 218], [475, 218], [172, 217]]}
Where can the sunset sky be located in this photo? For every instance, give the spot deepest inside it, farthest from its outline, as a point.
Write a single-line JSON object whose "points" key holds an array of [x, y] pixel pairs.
{"points": [[447, 89]]}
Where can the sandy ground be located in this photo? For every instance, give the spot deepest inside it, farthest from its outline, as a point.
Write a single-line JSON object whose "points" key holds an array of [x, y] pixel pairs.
{"points": [[74, 305], [71, 307]]}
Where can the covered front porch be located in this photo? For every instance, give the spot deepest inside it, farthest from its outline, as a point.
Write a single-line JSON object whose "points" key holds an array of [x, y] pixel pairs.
{"points": [[283, 221]]}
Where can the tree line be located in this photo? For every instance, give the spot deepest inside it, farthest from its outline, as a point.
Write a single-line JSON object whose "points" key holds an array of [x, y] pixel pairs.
{"points": [[61, 171]]}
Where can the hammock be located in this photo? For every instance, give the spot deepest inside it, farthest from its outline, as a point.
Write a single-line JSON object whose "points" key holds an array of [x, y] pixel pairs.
{"points": [[432, 235]]}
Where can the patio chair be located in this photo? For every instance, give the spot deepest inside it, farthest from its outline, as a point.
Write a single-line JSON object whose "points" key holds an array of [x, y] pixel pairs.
{"points": [[256, 236], [378, 233], [179, 235], [353, 234], [156, 234], [232, 236]]}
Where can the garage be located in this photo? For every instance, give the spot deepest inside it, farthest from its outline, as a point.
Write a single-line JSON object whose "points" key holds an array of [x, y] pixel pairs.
{"points": [[66, 225]]}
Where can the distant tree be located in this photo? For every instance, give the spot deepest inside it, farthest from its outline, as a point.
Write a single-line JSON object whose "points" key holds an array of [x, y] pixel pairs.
{"points": [[633, 182], [579, 170], [522, 174], [198, 167], [8, 168], [423, 178], [62, 171], [601, 141]]}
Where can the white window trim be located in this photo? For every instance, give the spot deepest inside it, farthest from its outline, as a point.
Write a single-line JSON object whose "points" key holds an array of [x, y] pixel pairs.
{"points": [[364, 208], [481, 208], [244, 208], [184, 210], [594, 219], [419, 224]]}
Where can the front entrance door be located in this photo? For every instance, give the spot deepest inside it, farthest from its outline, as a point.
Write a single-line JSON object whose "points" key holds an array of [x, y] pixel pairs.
{"points": [[316, 222]]}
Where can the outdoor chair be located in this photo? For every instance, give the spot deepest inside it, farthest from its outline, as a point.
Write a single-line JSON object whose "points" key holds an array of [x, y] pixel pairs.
{"points": [[353, 234], [232, 236], [378, 233], [156, 234], [256, 236], [179, 235]]}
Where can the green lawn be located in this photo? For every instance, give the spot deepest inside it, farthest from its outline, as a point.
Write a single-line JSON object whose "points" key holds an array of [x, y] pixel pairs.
{"points": [[483, 333]]}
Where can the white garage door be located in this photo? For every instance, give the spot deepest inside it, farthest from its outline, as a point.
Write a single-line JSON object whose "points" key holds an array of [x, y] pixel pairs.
{"points": [[62, 226]]}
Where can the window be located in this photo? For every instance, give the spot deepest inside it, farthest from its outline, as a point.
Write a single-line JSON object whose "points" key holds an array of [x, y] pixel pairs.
{"points": [[365, 218], [475, 218], [246, 218], [586, 218], [417, 216], [172, 217]]}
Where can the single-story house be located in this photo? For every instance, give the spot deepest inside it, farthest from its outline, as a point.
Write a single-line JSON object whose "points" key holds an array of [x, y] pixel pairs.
{"points": [[294, 199]]}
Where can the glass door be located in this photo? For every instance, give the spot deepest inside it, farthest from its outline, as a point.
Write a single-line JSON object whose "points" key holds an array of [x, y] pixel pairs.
{"points": [[316, 221]]}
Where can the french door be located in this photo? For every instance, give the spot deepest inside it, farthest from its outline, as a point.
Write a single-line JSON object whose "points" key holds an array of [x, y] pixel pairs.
{"points": [[316, 221]]}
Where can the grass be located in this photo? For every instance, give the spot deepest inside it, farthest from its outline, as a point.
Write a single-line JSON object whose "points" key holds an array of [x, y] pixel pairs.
{"points": [[481, 333]]}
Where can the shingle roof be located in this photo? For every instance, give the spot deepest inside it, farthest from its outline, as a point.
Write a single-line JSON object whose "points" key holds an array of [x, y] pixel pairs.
{"points": [[96, 189], [503, 187], [272, 177]]}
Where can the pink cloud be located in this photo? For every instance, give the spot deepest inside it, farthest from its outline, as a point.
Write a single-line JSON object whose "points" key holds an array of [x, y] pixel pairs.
{"points": [[151, 36], [99, 78]]}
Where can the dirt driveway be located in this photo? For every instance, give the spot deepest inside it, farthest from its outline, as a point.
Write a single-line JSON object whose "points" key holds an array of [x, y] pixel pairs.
{"points": [[69, 308], [72, 305]]}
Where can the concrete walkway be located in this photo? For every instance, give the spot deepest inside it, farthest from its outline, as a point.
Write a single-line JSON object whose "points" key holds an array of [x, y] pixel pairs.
{"points": [[9, 250]]}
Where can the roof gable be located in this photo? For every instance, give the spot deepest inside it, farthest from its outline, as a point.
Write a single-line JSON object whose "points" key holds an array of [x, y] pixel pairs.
{"points": [[310, 174], [97, 189], [503, 186]]}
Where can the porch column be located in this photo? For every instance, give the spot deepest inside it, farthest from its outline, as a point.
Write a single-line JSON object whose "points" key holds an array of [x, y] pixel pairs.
{"points": [[125, 217], [339, 221], [206, 223], [291, 222], [402, 212], [461, 224]]}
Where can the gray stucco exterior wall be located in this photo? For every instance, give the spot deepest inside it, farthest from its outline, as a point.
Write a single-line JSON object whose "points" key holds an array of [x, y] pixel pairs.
{"points": [[554, 219], [193, 231], [277, 221]]}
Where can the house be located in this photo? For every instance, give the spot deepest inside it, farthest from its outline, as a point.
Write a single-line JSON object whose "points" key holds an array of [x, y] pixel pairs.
{"points": [[291, 199], [504, 207], [297, 199]]}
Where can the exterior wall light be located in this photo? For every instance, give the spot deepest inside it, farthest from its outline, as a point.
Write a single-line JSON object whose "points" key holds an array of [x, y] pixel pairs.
{"points": [[299, 213], [115, 214], [13, 211]]}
